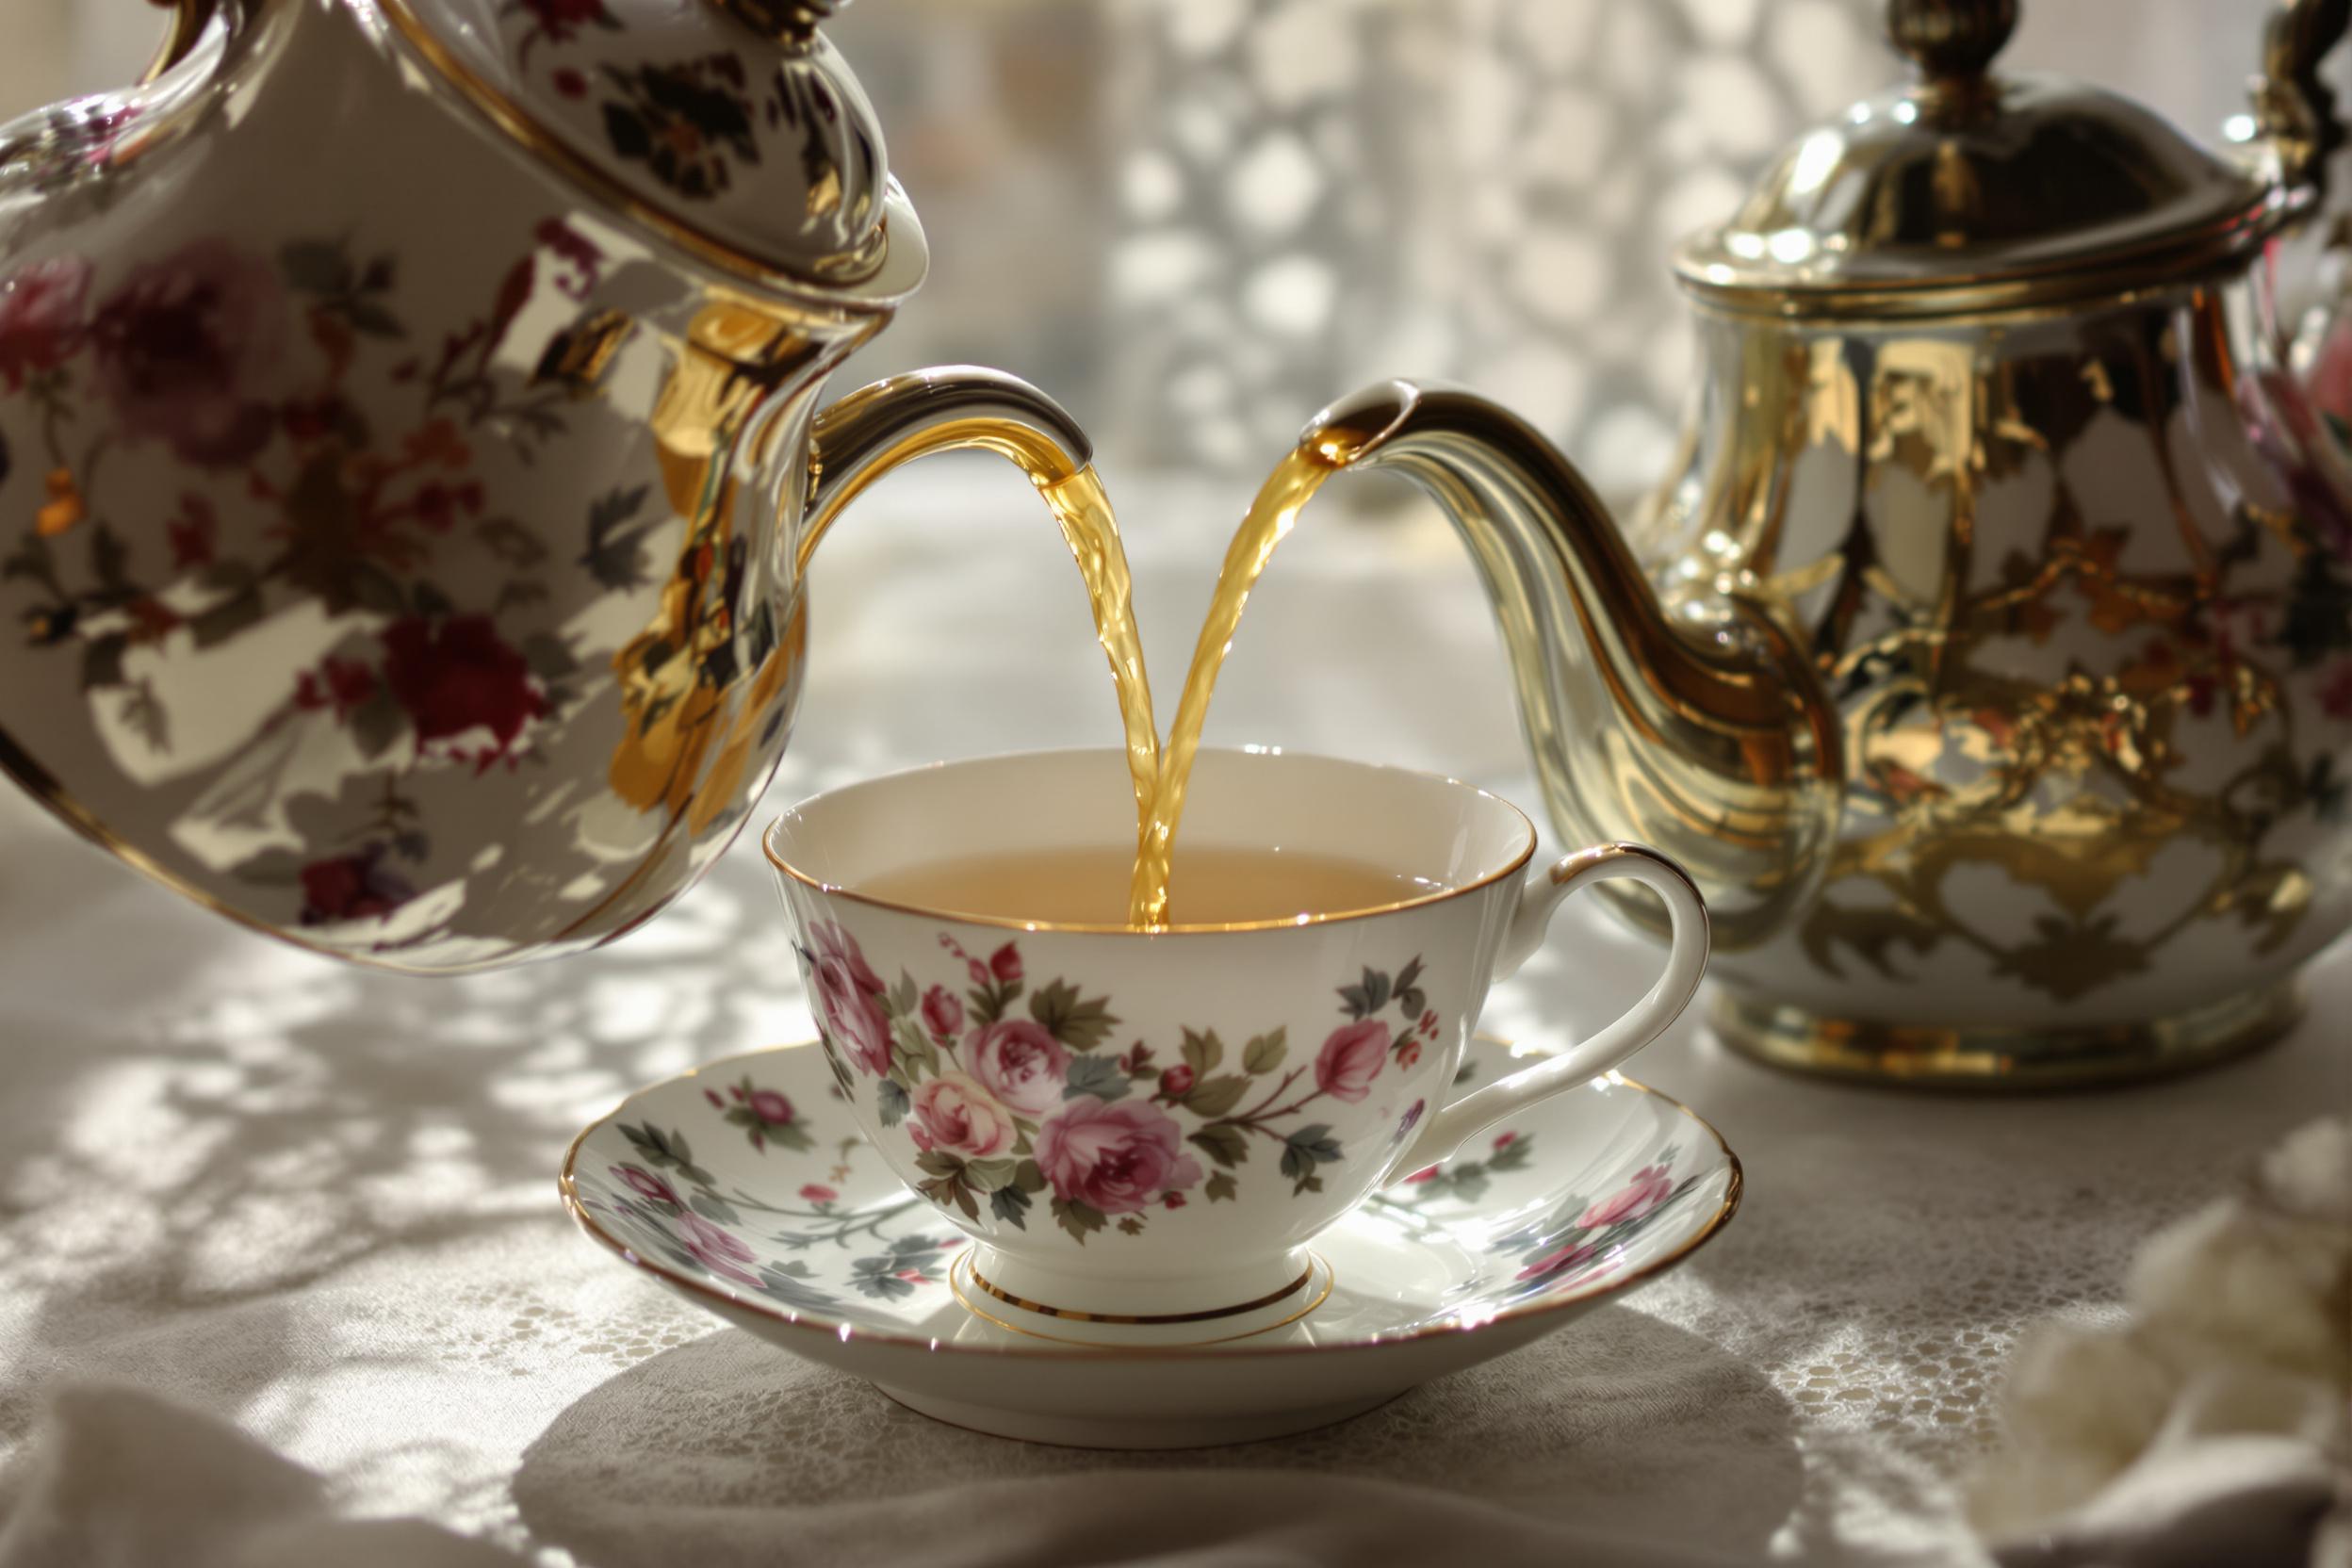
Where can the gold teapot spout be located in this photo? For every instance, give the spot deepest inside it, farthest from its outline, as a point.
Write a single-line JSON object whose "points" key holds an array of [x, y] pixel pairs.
{"points": [[877, 428], [1698, 725]]}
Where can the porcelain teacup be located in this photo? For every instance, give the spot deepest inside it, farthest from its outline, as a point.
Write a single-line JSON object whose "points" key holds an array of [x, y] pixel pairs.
{"points": [[1151, 1126]]}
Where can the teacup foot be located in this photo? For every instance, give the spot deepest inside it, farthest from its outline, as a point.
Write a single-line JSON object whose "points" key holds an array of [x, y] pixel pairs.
{"points": [[1042, 1304], [1098, 1431]]}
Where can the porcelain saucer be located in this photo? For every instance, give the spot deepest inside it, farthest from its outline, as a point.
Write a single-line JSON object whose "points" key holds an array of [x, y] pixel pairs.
{"points": [[745, 1187]]}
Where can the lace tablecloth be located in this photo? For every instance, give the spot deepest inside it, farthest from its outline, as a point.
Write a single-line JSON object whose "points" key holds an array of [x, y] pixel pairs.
{"points": [[321, 1204]]}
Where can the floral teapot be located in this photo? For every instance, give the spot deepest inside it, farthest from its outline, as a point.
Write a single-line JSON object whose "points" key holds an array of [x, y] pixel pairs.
{"points": [[1987, 657], [410, 444]]}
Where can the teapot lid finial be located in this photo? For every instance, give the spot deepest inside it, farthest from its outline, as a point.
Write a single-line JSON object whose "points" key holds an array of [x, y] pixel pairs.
{"points": [[1972, 190], [733, 128], [1951, 39]]}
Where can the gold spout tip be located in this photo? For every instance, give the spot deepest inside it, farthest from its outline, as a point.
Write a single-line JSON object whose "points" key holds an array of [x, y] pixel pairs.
{"points": [[1353, 427]]}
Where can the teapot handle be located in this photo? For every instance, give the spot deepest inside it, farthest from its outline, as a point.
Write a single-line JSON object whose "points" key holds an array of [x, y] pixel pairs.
{"points": [[189, 18]]}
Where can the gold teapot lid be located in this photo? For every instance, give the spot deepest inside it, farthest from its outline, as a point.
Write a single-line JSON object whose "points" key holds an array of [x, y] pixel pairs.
{"points": [[1967, 190], [733, 127]]}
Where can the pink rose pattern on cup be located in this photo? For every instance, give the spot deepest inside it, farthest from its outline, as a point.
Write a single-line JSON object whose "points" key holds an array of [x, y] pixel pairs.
{"points": [[953, 1113], [1021, 1064], [827, 1228], [1350, 1059], [1115, 1158], [1013, 1094], [848, 998]]}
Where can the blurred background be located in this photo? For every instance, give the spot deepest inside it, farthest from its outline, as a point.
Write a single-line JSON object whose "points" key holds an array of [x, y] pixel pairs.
{"points": [[1196, 221]]}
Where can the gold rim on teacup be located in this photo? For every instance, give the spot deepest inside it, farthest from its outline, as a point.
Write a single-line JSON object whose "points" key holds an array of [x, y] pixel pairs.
{"points": [[1182, 928]]}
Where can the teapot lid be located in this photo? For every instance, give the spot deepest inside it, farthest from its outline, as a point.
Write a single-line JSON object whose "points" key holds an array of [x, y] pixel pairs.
{"points": [[732, 127], [1967, 191]]}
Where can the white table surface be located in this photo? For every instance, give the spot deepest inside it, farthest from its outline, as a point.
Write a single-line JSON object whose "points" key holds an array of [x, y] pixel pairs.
{"points": [[321, 1204]]}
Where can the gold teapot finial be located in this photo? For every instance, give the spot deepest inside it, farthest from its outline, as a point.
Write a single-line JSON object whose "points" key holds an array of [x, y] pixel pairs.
{"points": [[1951, 40]]}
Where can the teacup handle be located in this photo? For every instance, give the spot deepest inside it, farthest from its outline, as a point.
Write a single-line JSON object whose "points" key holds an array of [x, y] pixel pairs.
{"points": [[1686, 961]]}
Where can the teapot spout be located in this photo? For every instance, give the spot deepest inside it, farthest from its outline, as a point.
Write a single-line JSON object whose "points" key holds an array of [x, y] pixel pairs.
{"points": [[875, 429], [1700, 728]]}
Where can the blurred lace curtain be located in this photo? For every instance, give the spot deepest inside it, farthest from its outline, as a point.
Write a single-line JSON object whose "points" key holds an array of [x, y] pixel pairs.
{"points": [[1198, 221]]}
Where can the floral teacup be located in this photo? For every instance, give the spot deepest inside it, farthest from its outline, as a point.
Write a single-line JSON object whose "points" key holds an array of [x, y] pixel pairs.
{"points": [[1152, 1126]]}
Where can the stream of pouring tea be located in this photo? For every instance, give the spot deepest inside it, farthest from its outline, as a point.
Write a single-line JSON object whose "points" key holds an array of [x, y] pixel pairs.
{"points": [[1288, 488], [1091, 530], [1083, 508], [1161, 774]]}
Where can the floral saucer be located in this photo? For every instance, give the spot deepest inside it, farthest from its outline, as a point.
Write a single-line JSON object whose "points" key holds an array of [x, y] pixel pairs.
{"points": [[746, 1188]]}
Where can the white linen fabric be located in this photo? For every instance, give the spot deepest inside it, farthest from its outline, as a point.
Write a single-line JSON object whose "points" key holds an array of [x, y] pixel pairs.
{"points": [[123, 1479], [2216, 1427], [318, 1204]]}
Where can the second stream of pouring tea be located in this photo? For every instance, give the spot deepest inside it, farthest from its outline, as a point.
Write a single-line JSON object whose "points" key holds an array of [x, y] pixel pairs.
{"points": [[1270, 517]]}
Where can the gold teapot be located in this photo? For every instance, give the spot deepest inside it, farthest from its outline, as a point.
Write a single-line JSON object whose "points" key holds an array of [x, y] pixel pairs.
{"points": [[410, 443], [1987, 656]]}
